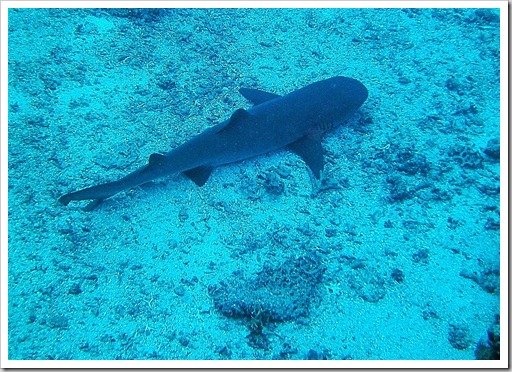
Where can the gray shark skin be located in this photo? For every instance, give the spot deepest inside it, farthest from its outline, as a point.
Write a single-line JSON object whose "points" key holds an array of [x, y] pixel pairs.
{"points": [[296, 121]]}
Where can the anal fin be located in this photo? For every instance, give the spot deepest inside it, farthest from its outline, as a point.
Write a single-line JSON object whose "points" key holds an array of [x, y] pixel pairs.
{"points": [[157, 159]]}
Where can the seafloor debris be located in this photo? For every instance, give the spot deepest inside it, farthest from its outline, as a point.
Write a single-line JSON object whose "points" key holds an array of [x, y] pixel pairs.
{"points": [[492, 150], [488, 278], [421, 256], [458, 336], [466, 156], [277, 293], [490, 349], [368, 283]]}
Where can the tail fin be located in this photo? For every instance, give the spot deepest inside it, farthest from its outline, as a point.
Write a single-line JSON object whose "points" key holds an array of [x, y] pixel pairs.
{"points": [[65, 199], [96, 193], [93, 205], [105, 190]]}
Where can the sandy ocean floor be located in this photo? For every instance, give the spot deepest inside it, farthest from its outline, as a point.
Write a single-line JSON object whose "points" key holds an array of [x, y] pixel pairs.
{"points": [[394, 256]]}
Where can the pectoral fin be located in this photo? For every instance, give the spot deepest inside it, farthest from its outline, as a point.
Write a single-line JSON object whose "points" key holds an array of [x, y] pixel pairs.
{"points": [[199, 175], [311, 151]]}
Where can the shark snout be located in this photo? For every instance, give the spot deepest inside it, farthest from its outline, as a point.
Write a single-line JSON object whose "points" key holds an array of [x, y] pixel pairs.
{"points": [[346, 92], [360, 91], [350, 90]]}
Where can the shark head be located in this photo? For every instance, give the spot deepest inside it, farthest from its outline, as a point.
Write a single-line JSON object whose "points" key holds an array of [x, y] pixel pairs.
{"points": [[334, 101], [350, 92], [344, 95]]}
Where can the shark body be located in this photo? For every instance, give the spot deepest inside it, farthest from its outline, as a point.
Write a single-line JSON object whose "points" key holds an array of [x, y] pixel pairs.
{"points": [[296, 121]]}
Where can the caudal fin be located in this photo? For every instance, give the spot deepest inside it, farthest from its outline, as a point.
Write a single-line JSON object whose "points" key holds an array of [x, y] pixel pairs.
{"points": [[95, 193], [105, 190], [65, 199], [93, 205]]}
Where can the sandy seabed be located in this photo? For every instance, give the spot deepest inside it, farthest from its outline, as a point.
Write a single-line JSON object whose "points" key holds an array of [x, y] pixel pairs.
{"points": [[394, 256]]}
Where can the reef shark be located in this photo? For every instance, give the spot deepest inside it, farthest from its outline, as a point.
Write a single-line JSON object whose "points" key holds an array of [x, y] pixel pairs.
{"points": [[296, 121]]}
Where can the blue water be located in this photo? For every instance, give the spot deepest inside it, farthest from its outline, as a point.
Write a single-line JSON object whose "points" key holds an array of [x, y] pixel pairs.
{"points": [[395, 255]]}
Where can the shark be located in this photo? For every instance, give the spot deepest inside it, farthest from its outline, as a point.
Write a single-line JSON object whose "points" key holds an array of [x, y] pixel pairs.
{"points": [[297, 121]]}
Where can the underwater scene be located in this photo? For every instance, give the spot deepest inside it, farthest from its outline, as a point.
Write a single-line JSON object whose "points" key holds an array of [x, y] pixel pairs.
{"points": [[253, 184]]}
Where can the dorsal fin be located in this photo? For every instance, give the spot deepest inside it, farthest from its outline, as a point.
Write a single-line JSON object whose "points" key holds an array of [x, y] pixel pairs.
{"points": [[238, 117], [257, 96]]}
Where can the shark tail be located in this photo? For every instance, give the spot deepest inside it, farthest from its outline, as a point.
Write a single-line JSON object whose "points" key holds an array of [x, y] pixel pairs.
{"points": [[103, 191], [65, 199], [96, 193]]}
